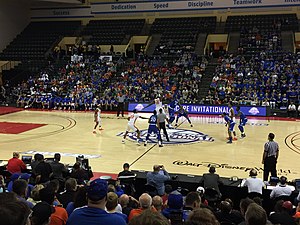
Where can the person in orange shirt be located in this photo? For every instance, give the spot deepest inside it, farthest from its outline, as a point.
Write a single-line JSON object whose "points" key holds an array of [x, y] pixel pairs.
{"points": [[297, 214], [15, 165], [60, 215], [145, 202]]}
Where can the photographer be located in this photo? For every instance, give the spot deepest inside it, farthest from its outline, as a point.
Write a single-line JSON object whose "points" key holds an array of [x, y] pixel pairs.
{"points": [[80, 174], [157, 178]]}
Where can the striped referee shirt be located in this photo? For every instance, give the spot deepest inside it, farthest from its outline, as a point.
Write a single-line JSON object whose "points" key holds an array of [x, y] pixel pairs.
{"points": [[271, 148], [161, 117]]}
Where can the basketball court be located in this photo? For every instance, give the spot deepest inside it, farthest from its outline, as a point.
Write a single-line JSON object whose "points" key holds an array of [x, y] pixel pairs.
{"points": [[191, 150]]}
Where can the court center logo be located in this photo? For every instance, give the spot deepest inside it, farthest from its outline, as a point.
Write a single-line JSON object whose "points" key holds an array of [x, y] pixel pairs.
{"points": [[176, 136]]}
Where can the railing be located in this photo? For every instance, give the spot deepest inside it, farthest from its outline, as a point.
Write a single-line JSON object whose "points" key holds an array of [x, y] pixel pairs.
{"points": [[9, 65]]}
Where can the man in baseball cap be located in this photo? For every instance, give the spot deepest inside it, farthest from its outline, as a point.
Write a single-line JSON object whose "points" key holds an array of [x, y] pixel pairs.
{"points": [[94, 213]]}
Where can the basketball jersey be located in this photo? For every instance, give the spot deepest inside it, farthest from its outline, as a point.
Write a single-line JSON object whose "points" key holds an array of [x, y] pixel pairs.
{"points": [[228, 119], [133, 118], [242, 116], [153, 120], [231, 114], [158, 106]]}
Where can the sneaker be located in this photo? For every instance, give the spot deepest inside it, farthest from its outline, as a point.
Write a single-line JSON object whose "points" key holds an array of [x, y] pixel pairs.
{"points": [[160, 146], [176, 125], [229, 142], [123, 141], [138, 142], [235, 139], [101, 128], [191, 125], [243, 135], [94, 132]]}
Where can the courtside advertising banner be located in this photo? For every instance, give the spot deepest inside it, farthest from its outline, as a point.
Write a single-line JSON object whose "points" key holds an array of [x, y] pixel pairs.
{"points": [[203, 109]]}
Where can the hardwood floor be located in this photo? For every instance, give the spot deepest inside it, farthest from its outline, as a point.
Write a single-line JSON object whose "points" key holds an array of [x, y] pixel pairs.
{"points": [[191, 150]]}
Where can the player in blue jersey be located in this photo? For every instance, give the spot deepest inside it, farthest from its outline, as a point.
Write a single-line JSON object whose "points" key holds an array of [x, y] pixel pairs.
{"points": [[184, 113], [171, 110], [170, 113], [243, 121], [153, 128], [230, 126]]}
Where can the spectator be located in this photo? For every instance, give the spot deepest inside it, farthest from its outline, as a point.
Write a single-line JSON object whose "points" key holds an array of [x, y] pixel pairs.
{"points": [[227, 214], [297, 214], [145, 202], [254, 184], [20, 188], [41, 214], [157, 178], [117, 189], [192, 202], [35, 194], [13, 177], [127, 203], [244, 203], [37, 158], [26, 177], [202, 216], [59, 170], [127, 178], [283, 213], [292, 110], [168, 190], [211, 180], [175, 205], [79, 174], [281, 189], [149, 217], [255, 215], [60, 215], [2, 184], [126, 172], [43, 171], [15, 165], [157, 203], [111, 205], [69, 193], [7, 197], [94, 213], [80, 200], [14, 212]]}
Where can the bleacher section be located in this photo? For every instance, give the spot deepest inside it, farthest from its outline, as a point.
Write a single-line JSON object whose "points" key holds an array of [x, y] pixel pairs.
{"points": [[262, 22], [112, 32], [37, 38], [179, 35]]}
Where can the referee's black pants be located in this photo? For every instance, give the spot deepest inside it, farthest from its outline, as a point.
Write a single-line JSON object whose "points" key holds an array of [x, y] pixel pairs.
{"points": [[270, 166], [120, 108], [163, 127]]}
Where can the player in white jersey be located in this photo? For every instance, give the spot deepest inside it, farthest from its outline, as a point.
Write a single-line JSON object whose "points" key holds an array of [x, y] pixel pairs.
{"points": [[232, 116], [131, 125], [97, 119], [158, 105]]}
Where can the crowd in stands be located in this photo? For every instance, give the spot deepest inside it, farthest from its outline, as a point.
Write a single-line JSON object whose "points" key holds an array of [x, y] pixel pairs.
{"points": [[264, 80], [253, 41], [51, 196], [88, 82]]}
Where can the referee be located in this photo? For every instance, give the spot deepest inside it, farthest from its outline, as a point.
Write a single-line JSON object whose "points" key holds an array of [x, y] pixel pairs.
{"points": [[161, 117], [270, 156], [120, 100]]}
